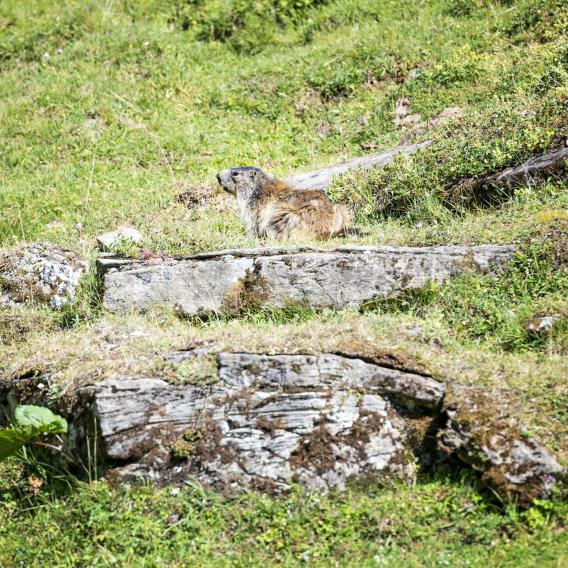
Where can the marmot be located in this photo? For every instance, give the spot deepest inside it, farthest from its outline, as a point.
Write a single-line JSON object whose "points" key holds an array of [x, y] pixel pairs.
{"points": [[271, 208]]}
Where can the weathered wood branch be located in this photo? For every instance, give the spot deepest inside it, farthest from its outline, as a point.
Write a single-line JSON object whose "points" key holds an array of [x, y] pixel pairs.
{"points": [[320, 179], [535, 168], [500, 186]]}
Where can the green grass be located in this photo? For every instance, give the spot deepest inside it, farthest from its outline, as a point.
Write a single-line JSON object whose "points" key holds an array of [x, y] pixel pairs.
{"points": [[106, 107], [109, 110], [434, 523]]}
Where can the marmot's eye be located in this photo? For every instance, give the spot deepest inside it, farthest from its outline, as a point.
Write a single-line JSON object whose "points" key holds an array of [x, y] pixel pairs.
{"points": [[234, 175]]}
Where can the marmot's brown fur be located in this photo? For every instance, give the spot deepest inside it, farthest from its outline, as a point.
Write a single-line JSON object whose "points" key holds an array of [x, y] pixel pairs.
{"points": [[271, 208]]}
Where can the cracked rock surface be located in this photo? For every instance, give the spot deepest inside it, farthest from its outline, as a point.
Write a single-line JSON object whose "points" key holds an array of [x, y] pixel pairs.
{"points": [[323, 421], [279, 276], [269, 421]]}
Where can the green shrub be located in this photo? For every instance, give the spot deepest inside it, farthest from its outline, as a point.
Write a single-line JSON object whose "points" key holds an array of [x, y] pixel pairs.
{"points": [[460, 8], [463, 64], [247, 25], [30, 423], [537, 19], [444, 175]]}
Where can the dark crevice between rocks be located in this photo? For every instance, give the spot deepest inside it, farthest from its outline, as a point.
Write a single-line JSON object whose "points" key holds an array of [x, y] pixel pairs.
{"points": [[389, 360]]}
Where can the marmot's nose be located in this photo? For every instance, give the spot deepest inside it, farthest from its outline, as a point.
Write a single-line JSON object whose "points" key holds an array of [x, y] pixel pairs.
{"points": [[219, 178]]}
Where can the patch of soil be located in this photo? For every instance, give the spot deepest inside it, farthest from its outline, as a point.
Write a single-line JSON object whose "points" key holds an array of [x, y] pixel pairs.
{"points": [[193, 195]]}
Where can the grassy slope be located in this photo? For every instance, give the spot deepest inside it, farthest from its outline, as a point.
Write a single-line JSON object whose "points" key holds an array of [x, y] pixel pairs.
{"points": [[432, 524], [109, 110]]}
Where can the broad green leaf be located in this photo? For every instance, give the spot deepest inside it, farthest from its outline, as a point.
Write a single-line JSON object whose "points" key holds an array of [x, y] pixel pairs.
{"points": [[11, 441], [35, 420]]}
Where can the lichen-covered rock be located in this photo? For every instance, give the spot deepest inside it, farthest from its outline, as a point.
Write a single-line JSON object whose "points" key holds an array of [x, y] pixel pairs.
{"points": [[268, 421], [324, 420], [513, 464], [227, 281], [39, 273]]}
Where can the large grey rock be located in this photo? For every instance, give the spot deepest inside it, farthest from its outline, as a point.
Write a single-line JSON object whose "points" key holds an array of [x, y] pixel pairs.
{"points": [[268, 421], [320, 420], [323, 177], [280, 276], [41, 273]]}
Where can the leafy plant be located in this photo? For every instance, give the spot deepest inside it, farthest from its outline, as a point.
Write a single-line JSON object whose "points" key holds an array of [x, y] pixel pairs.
{"points": [[30, 423]]}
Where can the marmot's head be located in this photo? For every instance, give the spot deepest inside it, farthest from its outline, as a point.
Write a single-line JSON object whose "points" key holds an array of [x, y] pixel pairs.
{"points": [[241, 182]]}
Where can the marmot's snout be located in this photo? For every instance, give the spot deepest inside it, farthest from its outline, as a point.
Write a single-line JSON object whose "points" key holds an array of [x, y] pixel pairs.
{"points": [[226, 182]]}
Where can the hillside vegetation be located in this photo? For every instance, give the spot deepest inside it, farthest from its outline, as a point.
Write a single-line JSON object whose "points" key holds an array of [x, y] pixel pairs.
{"points": [[121, 112]]}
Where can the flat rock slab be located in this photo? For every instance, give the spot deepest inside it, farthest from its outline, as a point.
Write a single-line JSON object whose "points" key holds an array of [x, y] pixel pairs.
{"points": [[319, 420], [282, 276]]}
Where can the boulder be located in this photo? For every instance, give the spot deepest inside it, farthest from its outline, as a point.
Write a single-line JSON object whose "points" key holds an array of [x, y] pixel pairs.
{"points": [[232, 280], [485, 437], [39, 273], [268, 421], [323, 421]]}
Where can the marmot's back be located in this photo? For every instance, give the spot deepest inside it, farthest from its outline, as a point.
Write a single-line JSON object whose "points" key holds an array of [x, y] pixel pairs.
{"points": [[271, 208]]}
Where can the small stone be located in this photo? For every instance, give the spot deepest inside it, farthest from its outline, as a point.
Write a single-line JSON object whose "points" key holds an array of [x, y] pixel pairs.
{"points": [[174, 517], [541, 326], [415, 73], [108, 241], [414, 331], [402, 113], [323, 130]]}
